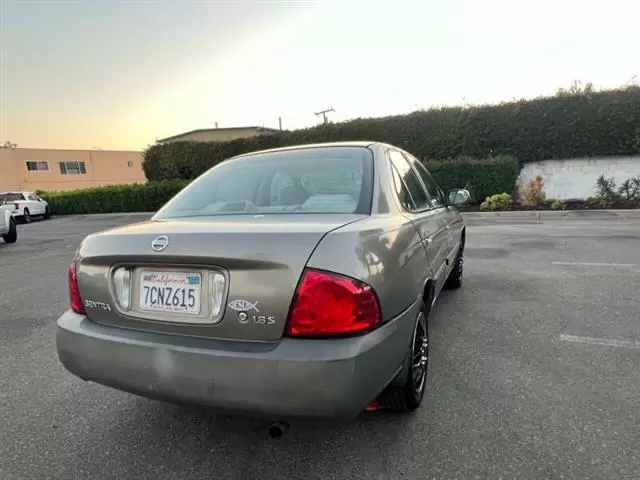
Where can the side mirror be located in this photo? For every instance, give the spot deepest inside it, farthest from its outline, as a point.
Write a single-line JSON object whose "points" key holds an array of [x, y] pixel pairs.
{"points": [[459, 196]]}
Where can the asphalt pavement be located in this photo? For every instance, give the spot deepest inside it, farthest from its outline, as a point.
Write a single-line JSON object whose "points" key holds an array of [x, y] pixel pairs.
{"points": [[534, 374]]}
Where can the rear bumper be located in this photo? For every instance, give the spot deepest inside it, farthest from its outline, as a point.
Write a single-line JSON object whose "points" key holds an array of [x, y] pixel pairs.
{"points": [[292, 378]]}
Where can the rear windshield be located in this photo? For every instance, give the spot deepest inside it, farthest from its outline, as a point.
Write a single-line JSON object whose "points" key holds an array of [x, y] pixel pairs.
{"points": [[10, 197], [305, 180]]}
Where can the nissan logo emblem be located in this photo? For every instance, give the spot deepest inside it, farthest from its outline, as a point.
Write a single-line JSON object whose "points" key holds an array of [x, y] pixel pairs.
{"points": [[160, 243]]}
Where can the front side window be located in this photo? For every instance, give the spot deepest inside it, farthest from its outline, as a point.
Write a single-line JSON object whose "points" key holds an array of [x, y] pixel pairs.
{"points": [[305, 180]]}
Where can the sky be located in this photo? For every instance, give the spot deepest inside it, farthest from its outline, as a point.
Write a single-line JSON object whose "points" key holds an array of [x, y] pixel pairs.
{"points": [[120, 74]]}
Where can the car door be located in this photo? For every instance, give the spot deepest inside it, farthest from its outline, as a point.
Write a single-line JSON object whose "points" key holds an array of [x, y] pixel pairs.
{"points": [[35, 207], [430, 222], [440, 202]]}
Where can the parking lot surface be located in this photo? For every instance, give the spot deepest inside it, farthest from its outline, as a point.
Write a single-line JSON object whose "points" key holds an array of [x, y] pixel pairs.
{"points": [[534, 374]]}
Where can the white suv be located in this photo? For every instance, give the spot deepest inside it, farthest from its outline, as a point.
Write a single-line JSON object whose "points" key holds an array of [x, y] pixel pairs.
{"points": [[8, 230], [25, 205]]}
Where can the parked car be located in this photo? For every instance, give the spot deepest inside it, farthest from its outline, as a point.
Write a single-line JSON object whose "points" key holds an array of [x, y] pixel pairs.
{"points": [[294, 282], [26, 205], [8, 229]]}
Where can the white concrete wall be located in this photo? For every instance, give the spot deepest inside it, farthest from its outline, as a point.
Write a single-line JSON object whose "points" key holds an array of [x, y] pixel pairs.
{"points": [[576, 177]]}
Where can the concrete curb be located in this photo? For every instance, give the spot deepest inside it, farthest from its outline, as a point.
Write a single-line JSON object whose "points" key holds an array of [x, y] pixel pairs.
{"points": [[545, 215], [529, 215]]}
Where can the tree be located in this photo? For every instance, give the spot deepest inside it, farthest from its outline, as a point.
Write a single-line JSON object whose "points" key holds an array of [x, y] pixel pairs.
{"points": [[576, 88]]}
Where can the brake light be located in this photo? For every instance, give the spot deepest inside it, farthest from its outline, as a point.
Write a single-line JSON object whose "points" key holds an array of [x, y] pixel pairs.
{"points": [[16, 206], [74, 292], [328, 304]]}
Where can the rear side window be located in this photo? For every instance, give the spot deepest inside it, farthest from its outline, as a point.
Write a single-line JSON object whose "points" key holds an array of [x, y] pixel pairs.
{"points": [[305, 180], [437, 195], [401, 190], [411, 181]]}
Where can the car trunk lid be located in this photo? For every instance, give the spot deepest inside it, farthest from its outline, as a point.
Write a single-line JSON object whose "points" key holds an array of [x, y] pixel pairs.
{"points": [[258, 259]]}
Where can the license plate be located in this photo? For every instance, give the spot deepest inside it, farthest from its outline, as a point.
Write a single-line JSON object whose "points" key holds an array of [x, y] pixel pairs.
{"points": [[170, 292]]}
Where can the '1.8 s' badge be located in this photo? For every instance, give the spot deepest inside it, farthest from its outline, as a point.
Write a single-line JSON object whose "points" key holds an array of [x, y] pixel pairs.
{"points": [[243, 318]]}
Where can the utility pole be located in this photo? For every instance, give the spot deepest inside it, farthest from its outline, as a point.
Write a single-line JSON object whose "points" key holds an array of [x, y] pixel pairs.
{"points": [[324, 114], [280, 122]]}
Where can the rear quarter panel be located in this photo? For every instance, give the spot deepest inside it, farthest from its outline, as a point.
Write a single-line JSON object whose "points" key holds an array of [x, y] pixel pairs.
{"points": [[384, 251]]}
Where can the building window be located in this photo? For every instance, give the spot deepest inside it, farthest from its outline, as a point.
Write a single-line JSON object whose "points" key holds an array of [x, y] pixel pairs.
{"points": [[72, 168], [129, 164], [34, 166]]}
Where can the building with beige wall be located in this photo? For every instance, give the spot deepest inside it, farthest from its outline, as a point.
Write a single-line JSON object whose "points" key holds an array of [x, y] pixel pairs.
{"points": [[53, 170], [218, 134]]}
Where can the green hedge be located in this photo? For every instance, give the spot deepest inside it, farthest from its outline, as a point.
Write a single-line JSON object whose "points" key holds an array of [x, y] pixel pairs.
{"points": [[565, 126], [147, 197], [481, 177]]}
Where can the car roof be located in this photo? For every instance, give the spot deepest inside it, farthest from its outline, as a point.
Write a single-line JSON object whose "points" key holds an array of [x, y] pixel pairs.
{"points": [[361, 143]]}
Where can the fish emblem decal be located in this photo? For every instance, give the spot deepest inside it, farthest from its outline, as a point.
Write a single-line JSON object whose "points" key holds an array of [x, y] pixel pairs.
{"points": [[240, 305]]}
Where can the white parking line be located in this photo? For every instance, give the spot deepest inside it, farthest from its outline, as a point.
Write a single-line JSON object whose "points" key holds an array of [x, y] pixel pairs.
{"points": [[600, 341], [595, 264]]}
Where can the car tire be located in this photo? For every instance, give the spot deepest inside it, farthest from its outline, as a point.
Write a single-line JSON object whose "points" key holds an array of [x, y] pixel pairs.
{"points": [[454, 280], [12, 235], [26, 216], [47, 213], [408, 396]]}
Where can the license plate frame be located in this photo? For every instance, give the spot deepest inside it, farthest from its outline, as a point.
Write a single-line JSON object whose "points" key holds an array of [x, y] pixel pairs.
{"points": [[173, 287]]}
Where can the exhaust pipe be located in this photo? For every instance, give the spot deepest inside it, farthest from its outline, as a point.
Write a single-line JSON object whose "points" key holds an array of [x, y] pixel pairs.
{"points": [[277, 429]]}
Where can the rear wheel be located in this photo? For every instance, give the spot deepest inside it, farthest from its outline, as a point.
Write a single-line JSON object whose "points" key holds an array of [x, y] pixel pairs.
{"points": [[454, 280], [12, 235], [26, 216], [408, 396]]}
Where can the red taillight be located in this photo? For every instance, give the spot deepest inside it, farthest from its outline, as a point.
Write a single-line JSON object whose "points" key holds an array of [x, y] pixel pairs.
{"points": [[74, 292], [328, 304], [16, 206]]}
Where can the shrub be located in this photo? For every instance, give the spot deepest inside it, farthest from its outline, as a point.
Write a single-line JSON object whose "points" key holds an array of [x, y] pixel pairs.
{"points": [[606, 192], [147, 197], [564, 126], [532, 194], [558, 205], [497, 202]]}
